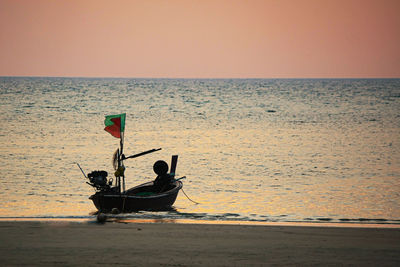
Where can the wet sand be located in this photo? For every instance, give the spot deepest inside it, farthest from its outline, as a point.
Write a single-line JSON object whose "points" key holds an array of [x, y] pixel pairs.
{"points": [[63, 243]]}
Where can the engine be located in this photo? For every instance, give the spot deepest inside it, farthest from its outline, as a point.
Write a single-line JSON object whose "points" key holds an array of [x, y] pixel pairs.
{"points": [[98, 179]]}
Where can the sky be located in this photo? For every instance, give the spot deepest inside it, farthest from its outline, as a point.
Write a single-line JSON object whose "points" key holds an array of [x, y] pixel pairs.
{"points": [[200, 39]]}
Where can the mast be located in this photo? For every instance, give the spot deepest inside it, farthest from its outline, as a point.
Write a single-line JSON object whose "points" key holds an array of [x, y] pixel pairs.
{"points": [[120, 163], [115, 125], [120, 172]]}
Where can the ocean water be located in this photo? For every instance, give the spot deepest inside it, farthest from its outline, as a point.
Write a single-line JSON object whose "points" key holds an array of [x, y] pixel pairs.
{"points": [[305, 150]]}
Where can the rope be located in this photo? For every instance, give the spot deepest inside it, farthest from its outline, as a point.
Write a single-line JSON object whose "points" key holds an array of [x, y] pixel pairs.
{"points": [[189, 197]]}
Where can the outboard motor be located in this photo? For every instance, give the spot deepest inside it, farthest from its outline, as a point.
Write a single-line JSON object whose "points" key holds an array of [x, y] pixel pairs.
{"points": [[98, 179]]}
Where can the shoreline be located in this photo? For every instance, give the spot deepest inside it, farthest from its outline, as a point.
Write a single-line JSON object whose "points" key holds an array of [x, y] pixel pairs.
{"points": [[118, 219], [50, 243]]}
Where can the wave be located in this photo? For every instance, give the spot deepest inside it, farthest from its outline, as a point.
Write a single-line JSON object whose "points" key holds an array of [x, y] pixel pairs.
{"points": [[173, 215]]}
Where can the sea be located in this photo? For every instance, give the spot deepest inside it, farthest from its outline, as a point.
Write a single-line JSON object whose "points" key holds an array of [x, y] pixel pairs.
{"points": [[252, 150]]}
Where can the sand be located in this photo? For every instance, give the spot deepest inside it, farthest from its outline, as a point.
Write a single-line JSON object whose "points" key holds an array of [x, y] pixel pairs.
{"points": [[61, 243]]}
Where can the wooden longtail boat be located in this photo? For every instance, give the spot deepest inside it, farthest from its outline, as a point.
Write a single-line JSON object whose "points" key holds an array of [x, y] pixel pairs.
{"points": [[114, 198], [137, 198]]}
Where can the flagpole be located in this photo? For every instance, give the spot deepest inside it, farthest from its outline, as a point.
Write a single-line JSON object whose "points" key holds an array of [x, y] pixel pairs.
{"points": [[121, 162], [112, 123]]}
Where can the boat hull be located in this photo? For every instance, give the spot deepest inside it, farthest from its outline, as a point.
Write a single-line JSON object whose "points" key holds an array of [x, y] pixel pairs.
{"points": [[131, 200]]}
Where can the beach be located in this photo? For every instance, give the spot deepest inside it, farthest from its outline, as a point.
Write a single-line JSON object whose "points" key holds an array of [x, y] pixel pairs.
{"points": [[199, 133], [68, 243]]}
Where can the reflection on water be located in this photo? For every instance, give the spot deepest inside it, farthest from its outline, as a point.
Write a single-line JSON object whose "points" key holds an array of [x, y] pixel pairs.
{"points": [[264, 150]]}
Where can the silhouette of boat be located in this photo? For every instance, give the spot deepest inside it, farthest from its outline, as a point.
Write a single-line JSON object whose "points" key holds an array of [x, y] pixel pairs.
{"points": [[146, 196], [138, 198]]}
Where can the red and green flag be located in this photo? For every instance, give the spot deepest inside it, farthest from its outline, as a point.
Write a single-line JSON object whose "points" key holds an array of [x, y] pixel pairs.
{"points": [[115, 124]]}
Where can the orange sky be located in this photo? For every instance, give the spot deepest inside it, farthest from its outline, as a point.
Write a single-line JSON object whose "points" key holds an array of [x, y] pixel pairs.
{"points": [[200, 39]]}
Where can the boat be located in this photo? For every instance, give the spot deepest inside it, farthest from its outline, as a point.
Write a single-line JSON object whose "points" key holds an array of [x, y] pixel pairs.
{"points": [[112, 197], [136, 199]]}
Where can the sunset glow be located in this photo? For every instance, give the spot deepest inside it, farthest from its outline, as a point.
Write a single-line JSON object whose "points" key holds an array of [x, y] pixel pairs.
{"points": [[200, 39]]}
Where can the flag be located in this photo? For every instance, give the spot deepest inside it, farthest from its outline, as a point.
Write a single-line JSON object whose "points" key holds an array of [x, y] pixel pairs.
{"points": [[115, 124]]}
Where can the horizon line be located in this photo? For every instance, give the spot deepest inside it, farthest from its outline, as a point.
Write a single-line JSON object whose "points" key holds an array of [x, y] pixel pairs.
{"points": [[200, 78]]}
